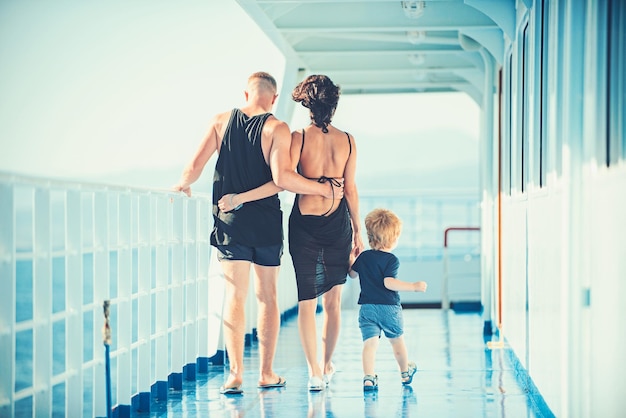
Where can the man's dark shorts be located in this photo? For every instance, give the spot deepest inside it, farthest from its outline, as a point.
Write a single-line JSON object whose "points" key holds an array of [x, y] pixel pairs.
{"points": [[262, 256]]}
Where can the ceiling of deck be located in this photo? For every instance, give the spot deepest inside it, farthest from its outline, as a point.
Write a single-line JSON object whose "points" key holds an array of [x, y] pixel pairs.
{"points": [[387, 46]]}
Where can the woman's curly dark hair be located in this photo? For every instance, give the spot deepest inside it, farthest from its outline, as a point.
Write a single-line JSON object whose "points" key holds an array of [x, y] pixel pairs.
{"points": [[320, 95]]}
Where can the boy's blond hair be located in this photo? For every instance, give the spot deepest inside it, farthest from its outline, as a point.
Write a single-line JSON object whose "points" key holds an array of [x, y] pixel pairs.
{"points": [[383, 228]]}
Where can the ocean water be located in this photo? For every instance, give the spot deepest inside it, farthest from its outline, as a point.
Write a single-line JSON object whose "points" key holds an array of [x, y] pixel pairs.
{"points": [[92, 322]]}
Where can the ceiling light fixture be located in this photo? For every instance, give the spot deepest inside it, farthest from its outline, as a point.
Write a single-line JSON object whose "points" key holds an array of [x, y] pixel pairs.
{"points": [[416, 59], [413, 9], [420, 76], [416, 36]]}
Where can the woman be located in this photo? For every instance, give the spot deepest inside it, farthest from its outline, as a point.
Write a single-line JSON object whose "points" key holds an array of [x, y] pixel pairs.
{"points": [[322, 232]]}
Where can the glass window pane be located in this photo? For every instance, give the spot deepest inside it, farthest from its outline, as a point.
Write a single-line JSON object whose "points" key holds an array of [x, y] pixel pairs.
{"points": [[24, 290], [23, 359], [58, 284]]}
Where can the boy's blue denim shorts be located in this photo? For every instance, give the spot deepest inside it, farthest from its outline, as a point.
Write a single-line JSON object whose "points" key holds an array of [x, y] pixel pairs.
{"points": [[376, 318]]}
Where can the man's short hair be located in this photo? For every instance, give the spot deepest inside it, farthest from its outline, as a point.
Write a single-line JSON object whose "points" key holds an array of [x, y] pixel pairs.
{"points": [[265, 81]]}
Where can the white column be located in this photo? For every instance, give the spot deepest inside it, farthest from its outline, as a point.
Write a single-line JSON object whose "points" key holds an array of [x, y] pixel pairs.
{"points": [[489, 189], [575, 400], [293, 75]]}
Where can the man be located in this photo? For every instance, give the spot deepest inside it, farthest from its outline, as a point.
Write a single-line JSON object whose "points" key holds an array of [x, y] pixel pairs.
{"points": [[253, 165]]}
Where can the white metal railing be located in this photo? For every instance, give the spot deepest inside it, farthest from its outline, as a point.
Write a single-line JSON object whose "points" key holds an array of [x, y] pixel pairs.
{"points": [[64, 248]]}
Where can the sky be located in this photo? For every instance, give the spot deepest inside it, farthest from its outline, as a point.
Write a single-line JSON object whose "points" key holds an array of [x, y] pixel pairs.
{"points": [[122, 92]]}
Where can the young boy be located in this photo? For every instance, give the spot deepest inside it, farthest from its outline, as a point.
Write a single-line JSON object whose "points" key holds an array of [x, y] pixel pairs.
{"points": [[377, 270]]}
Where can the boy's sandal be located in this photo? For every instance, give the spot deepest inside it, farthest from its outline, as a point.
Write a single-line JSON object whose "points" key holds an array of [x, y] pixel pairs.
{"points": [[409, 374], [373, 379]]}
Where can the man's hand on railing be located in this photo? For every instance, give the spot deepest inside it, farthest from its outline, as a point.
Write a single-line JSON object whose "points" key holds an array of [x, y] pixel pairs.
{"points": [[183, 188]]}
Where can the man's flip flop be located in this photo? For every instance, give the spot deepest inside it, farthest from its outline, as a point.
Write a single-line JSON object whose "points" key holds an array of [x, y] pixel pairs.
{"points": [[280, 384], [235, 390]]}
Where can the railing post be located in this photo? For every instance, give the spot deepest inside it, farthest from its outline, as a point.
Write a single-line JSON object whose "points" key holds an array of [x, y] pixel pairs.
{"points": [[42, 304], [74, 338], [445, 302], [176, 337], [144, 320], [7, 299], [162, 309], [190, 289], [106, 339]]}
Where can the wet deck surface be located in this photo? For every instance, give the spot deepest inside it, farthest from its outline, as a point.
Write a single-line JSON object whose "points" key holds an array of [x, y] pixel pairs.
{"points": [[458, 376]]}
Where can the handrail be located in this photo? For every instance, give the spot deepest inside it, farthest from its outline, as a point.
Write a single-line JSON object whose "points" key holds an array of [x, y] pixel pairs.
{"points": [[457, 228], [67, 246], [445, 298]]}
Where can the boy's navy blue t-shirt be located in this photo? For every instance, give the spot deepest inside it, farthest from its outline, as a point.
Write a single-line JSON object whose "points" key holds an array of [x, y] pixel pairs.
{"points": [[373, 266]]}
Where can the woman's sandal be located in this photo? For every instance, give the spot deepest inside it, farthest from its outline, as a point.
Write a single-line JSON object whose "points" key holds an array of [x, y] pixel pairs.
{"points": [[316, 384], [409, 374], [328, 377], [373, 379]]}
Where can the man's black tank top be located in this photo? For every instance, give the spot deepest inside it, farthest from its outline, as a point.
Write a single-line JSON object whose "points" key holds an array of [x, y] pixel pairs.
{"points": [[241, 167]]}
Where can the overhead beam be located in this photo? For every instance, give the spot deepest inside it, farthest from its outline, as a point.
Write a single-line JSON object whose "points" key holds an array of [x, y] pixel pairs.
{"points": [[305, 54], [337, 1], [500, 11], [393, 86], [405, 71], [325, 29], [397, 37]]}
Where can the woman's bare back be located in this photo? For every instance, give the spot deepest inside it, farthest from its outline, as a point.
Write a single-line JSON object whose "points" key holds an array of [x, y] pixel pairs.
{"points": [[323, 156]]}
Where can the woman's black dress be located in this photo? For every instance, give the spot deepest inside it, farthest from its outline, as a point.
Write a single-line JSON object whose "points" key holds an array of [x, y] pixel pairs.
{"points": [[320, 249]]}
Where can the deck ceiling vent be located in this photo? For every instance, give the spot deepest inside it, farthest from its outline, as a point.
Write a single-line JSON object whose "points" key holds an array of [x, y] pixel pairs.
{"points": [[413, 9]]}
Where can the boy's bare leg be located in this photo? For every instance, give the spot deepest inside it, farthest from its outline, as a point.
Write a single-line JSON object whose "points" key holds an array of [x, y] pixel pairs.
{"points": [[400, 352], [370, 346]]}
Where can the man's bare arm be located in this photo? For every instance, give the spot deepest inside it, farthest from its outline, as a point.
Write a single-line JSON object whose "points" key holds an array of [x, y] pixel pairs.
{"points": [[352, 199], [283, 173], [230, 201], [207, 148]]}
